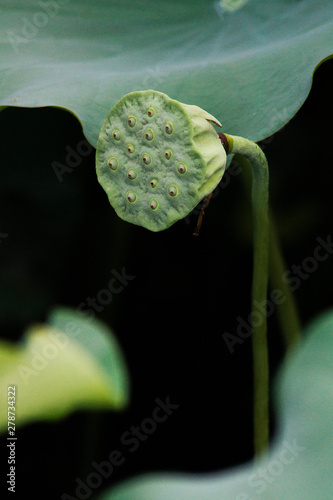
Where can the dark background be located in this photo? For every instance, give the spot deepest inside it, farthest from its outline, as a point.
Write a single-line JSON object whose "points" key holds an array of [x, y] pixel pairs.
{"points": [[63, 241]]}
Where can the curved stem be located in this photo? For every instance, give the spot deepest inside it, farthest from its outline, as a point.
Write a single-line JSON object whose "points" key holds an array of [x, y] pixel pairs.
{"points": [[287, 313], [260, 176], [286, 308]]}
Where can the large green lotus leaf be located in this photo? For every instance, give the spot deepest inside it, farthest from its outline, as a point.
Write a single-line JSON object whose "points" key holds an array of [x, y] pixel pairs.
{"points": [[69, 364], [299, 466], [250, 63]]}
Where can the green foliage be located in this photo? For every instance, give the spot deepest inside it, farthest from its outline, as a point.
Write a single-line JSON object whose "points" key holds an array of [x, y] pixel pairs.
{"points": [[251, 65], [64, 366], [157, 158], [299, 467]]}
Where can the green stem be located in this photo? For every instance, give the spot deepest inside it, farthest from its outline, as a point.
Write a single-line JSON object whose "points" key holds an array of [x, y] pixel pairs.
{"points": [[286, 309], [260, 176], [287, 313]]}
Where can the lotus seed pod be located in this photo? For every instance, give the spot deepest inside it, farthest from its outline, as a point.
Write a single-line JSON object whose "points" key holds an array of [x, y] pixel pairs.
{"points": [[150, 145]]}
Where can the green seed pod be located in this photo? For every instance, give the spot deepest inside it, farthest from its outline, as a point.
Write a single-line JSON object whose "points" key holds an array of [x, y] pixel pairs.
{"points": [[171, 144]]}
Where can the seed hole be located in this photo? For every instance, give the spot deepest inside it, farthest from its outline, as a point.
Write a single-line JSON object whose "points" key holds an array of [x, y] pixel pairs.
{"points": [[147, 159], [131, 197], [168, 154], [131, 121], [150, 112], [149, 134], [132, 174], [153, 204], [116, 135], [182, 168], [113, 163], [168, 128], [173, 190]]}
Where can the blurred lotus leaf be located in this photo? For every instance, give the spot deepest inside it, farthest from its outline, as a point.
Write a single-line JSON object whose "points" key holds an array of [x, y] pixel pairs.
{"points": [[299, 466], [69, 364]]}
